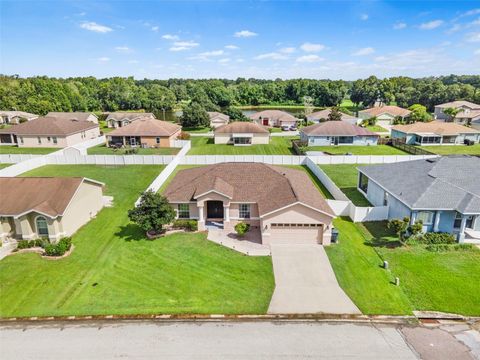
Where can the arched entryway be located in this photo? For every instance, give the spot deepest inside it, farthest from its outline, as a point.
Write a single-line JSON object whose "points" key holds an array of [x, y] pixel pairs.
{"points": [[214, 210]]}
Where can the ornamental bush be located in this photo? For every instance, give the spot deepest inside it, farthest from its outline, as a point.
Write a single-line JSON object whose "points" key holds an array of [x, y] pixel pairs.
{"points": [[185, 224], [437, 238], [59, 248], [241, 228]]}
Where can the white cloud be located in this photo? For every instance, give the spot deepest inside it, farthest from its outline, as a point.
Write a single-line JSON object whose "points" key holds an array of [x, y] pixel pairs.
{"points": [[183, 45], [309, 47], [170, 37], [224, 61], [287, 50], [103, 59], [211, 53], [364, 17], [399, 26], [123, 49], [83, 13], [93, 26], [309, 59], [469, 13], [431, 25], [473, 37], [364, 51], [155, 28], [454, 28], [272, 56], [231, 47], [245, 34]]}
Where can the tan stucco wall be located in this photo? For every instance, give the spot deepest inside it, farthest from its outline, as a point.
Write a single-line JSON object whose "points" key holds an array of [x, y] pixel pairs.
{"points": [[256, 139], [165, 141], [201, 201], [32, 141], [235, 208], [222, 138]]}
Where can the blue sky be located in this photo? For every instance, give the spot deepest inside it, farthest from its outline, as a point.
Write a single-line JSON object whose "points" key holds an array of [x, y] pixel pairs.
{"points": [[262, 39]]}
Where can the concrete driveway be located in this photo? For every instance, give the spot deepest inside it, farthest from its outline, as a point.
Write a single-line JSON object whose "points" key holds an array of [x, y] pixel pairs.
{"points": [[305, 282]]}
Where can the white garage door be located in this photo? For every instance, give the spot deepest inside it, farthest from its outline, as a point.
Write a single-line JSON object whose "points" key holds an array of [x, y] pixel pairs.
{"points": [[296, 233]]}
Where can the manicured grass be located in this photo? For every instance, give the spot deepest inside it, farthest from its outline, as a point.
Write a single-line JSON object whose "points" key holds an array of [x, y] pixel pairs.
{"points": [[358, 270], [275, 130], [197, 130], [453, 149], [104, 127], [115, 270], [2, 166], [26, 150], [376, 128], [103, 150], [205, 146], [438, 281], [358, 150], [345, 176]]}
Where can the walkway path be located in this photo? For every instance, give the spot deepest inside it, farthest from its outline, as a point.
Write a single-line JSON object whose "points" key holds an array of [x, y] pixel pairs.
{"points": [[305, 282], [250, 245]]}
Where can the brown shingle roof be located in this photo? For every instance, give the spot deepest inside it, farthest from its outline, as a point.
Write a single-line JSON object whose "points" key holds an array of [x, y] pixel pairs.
{"points": [[120, 115], [336, 128], [435, 127], [458, 103], [18, 113], [77, 115], [273, 114], [50, 126], [323, 114], [49, 196], [147, 127], [219, 115], [271, 187], [387, 109], [241, 127]]}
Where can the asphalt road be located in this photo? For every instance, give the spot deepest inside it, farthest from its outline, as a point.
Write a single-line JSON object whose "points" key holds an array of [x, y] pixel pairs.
{"points": [[210, 340]]}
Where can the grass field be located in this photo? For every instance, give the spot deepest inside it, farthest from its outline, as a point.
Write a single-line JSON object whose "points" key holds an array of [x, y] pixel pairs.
{"points": [[358, 150], [197, 130], [104, 127], [26, 150], [103, 150], [205, 146], [376, 128], [115, 270], [345, 176], [453, 149], [2, 166]]}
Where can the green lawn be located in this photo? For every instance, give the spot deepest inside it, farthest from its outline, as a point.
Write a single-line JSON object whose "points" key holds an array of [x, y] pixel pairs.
{"points": [[440, 281], [197, 130], [453, 149], [358, 150], [104, 127], [205, 146], [115, 270], [103, 150], [2, 166], [358, 271], [26, 150], [376, 128], [345, 176]]}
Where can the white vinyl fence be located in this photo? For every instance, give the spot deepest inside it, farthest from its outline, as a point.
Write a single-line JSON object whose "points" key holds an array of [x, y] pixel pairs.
{"points": [[266, 159], [16, 158], [110, 159], [365, 159]]}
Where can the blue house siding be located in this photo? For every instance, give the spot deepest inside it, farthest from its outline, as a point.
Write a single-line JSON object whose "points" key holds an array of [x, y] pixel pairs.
{"points": [[327, 140]]}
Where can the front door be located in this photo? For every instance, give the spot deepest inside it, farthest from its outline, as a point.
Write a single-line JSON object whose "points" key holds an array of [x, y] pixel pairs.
{"points": [[214, 210], [265, 122]]}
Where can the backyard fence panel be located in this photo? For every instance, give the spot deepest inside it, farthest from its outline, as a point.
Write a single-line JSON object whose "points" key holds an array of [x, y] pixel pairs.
{"points": [[361, 214], [326, 181], [340, 207]]}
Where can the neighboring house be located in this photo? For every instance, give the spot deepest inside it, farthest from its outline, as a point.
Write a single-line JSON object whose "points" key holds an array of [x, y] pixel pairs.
{"points": [[77, 115], [218, 119], [50, 132], [241, 133], [146, 132], [37, 207], [443, 192], [274, 118], [279, 202], [320, 116], [337, 133], [120, 119], [386, 113], [466, 108], [14, 117], [435, 133]]}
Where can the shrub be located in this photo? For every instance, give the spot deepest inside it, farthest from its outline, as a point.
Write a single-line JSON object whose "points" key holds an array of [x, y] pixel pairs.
{"points": [[59, 248], [184, 136], [437, 238], [241, 228], [449, 247], [185, 224]]}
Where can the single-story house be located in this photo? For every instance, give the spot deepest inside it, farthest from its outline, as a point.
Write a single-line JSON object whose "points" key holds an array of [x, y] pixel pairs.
{"points": [[76, 115], [443, 192], [50, 132], [466, 106], [435, 133], [385, 113], [279, 202], [322, 115], [218, 119], [14, 117], [241, 133], [276, 118], [337, 133], [37, 207], [146, 132], [119, 119]]}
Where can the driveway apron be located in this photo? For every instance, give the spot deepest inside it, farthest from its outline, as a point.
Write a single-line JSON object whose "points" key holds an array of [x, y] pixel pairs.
{"points": [[305, 282]]}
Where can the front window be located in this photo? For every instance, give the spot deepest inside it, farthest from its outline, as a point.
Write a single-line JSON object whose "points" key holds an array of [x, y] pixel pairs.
{"points": [[157, 140], [242, 141], [345, 140], [431, 140], [363, 183], [183, 211], [42, 226], [55, 140], [21, 140], [426, 217], [39, 139], [244, 212]]}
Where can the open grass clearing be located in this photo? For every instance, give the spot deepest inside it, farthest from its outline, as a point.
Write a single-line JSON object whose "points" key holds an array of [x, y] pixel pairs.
{"points": [[453, 149], [103, 150], [7, 149], [115, 270], [376, 128], [345, 176], [2, 166], [358, 150], [280, 145]]}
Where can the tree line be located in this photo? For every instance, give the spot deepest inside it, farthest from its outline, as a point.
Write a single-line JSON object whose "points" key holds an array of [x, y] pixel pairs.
{"points": [[43, 94]]}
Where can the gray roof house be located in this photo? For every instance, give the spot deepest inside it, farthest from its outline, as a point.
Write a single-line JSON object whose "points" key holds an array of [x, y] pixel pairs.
{"points": [[442, 192], [14, 117], [468, 111], [322, 115], [337, 133], [123, 118], [74, 115]]}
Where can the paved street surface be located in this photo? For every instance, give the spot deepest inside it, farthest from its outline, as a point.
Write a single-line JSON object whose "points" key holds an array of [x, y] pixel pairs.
{"points": [[305, 282]]}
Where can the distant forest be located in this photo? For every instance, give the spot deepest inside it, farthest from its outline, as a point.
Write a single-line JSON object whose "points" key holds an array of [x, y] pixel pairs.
{"points": [[43, 94]]}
